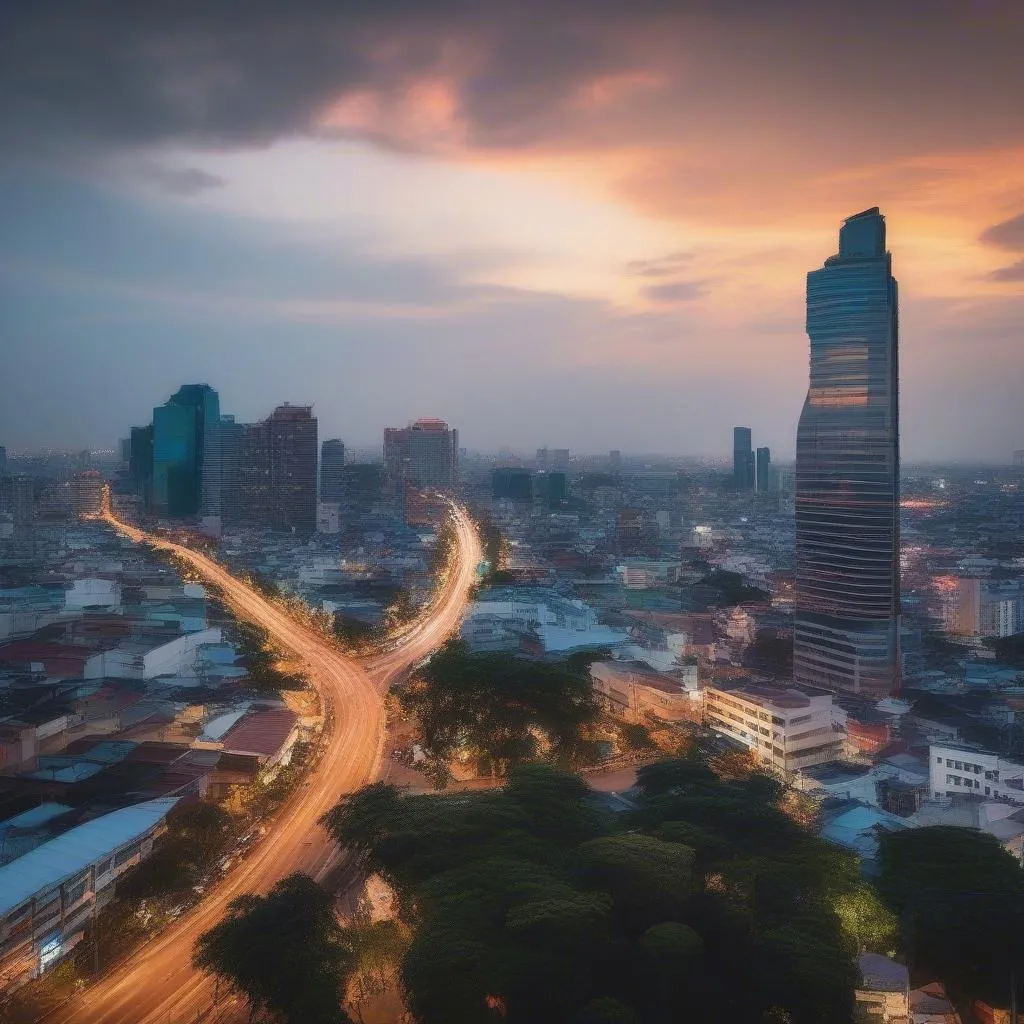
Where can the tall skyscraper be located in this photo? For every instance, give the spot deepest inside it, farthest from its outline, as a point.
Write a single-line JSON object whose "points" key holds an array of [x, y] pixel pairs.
{"points": [[847, 471], [140, 462], [332, 470], [186, 453], [742, 459], [292, 439], [764, 470], [23, 505], [425, 453]]}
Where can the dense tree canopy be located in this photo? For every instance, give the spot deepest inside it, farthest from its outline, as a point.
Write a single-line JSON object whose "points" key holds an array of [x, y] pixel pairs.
{"points": [[532, 904], [497, 708], [960, 899], [285, 952]]}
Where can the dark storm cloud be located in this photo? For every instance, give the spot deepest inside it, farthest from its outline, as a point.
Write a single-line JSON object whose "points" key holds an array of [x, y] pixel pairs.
{"points": [[124, 72]]}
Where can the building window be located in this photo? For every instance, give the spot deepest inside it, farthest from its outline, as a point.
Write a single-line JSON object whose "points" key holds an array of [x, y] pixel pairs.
{"points": [[938, 760], [988, 791], [958, 765]]}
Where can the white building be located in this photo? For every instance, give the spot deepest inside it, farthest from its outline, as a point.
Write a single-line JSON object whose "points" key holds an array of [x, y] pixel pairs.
{"points": [[136, 660], [328, 517], [957, 769], [787, 729]]}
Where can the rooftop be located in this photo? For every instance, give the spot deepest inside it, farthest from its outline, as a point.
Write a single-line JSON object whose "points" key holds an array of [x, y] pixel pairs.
{"points": [[48, 865], [261, 731]]}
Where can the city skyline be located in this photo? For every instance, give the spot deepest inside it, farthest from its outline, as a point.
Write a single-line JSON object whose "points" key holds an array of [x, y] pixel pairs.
{"points": [[413, 221]]}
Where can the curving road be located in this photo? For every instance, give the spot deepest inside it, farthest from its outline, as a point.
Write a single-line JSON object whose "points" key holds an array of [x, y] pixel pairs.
{"points": [[158, 985]]}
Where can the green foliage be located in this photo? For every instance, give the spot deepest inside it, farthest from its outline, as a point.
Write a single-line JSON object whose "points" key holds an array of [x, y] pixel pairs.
{"points": [[732, 588], [284, 952], [530, 905], [197, 835], [500, 709], [637, 737], [257, 654], [960, 900]]}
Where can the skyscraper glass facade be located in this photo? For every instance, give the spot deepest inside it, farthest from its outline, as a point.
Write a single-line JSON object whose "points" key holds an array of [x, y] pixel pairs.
{"points": [[186, 453], [742, 459], [847, 471]]}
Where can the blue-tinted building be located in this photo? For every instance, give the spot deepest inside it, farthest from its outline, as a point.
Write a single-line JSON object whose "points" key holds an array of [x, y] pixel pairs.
{"points": [[742, 459], [847, 471], [186, 454]]}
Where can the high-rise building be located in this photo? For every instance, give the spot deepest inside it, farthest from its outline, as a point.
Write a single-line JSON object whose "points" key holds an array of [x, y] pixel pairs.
{"points": [[1018, 458], [292, 441], [552, 488], [742, 459], [847, 471], [140, 462], [764, 470], [614, 461], [977, 607], [425, 453], [553, 459], [3, 460], [332, 470], [510, 483], [23, 506], [186, 454]]}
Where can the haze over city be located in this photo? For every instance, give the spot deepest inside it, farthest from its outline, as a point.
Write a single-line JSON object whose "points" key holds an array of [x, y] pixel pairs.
{"points": [[583, 225]]}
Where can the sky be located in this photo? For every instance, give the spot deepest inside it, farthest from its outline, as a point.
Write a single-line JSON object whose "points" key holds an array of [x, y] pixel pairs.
{"points": [[581, 224]]}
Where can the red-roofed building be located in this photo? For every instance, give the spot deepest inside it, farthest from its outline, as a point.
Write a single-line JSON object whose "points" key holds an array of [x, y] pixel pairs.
{"points": [[59, 661], [267, 734]]}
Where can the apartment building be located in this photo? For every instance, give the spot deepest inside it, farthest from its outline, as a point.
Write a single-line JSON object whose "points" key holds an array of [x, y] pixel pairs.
{"points": [[787, 729], [957, 769]]}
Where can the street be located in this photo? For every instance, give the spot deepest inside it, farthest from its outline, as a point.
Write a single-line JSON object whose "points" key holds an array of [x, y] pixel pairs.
{"points": [[159, 985]]}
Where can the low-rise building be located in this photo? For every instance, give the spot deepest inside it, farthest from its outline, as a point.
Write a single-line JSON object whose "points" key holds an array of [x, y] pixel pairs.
{"points": [[48, 895], [636, 692], [786, 729], [958, 769], [883, 996]]}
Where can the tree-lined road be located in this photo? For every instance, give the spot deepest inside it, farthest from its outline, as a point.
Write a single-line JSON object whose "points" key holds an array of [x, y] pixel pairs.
{"points": [[158, 985]]}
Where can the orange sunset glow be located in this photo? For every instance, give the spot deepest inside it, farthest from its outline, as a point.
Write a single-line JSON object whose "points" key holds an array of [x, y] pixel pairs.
{"points": [[609, 207]]}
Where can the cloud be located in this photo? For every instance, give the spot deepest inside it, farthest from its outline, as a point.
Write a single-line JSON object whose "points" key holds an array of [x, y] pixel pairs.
{"points": [[1014, 272], [1008, 234], [675, 291], [661, 266], [180, 181], [591, 74]]}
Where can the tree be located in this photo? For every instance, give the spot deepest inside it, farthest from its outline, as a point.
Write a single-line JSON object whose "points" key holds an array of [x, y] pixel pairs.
{"points": [[530, 904], [960, 900], [284, 952], [499, 709]]}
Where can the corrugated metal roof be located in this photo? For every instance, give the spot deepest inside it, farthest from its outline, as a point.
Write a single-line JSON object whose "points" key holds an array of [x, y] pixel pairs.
{"points": [[60, 858], [261, 732]]}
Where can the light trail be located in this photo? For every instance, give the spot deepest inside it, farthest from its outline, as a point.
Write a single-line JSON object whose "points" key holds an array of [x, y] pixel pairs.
{"points": [[158, 985]]}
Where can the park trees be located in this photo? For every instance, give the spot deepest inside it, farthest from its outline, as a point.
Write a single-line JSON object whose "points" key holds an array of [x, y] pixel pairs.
{"points": [[960, 900], [497, 708], [532, 903]]}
